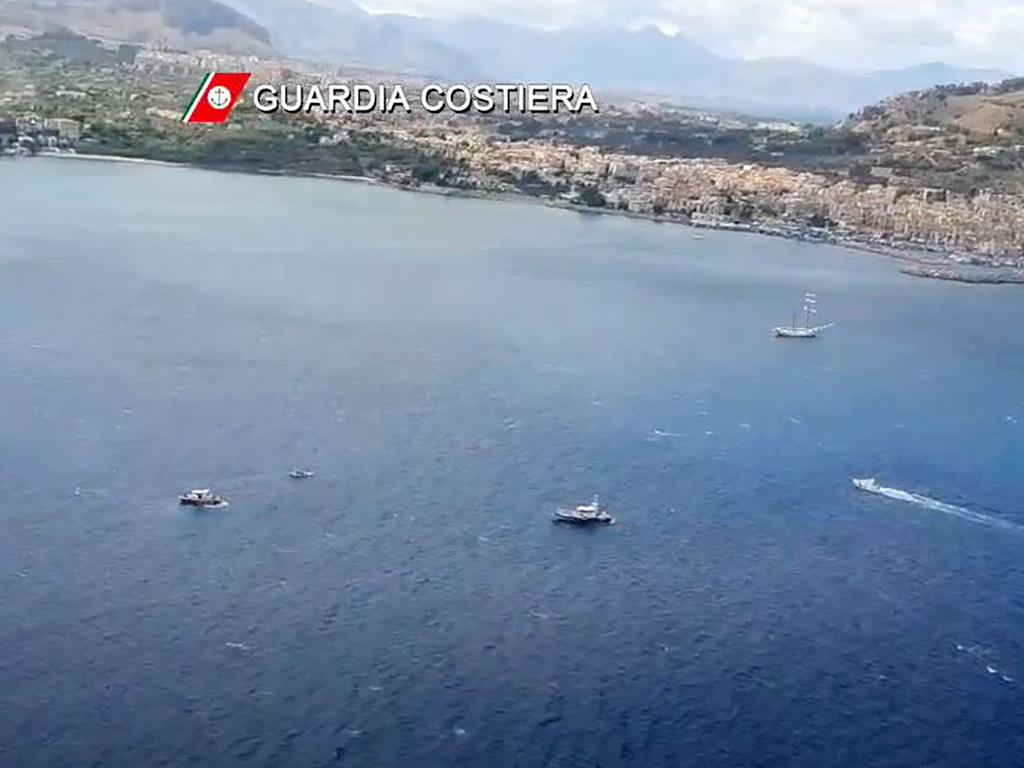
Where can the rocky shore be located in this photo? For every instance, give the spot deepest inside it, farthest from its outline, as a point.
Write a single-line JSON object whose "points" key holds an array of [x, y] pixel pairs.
{"points": [[985, 277]]}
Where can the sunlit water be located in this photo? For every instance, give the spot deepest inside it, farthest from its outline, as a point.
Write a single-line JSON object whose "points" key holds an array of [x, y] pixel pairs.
{"points": [[453, 370]]}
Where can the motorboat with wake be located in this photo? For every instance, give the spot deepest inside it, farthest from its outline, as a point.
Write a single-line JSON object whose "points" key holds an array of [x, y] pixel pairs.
{"points": [[866, 484], [804, 330], [299, 474], [584, 514], [202, 497]]}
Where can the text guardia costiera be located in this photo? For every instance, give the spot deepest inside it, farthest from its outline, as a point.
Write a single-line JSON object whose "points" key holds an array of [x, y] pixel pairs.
{"points": [[362, 98]]}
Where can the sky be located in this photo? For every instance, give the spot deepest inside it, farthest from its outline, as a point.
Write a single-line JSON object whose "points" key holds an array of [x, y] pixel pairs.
{"points": [[852, 34]]}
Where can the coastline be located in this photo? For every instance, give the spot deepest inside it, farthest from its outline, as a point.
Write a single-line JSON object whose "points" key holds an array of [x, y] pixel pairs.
{"points": [[924, 264], [110, 159], [172, 164]]}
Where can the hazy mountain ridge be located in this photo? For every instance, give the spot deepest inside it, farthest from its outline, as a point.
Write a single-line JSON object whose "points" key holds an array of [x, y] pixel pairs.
{"points": [[648, 61], [178, 23], [639, 60], [343, 33]]}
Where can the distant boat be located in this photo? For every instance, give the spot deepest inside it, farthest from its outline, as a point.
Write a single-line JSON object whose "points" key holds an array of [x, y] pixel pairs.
{"points": [[806, 330], [584, 514], [300, 474], [202, 497]]}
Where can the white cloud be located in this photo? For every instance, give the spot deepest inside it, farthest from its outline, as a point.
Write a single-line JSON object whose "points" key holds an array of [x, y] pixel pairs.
{"points": [[862, 34]]}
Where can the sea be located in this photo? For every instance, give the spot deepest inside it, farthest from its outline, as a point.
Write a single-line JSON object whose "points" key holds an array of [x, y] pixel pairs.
{"points": [[453, 370]]}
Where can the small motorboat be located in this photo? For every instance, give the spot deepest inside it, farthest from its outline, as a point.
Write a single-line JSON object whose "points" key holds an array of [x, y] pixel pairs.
{"points": [[584, 514], [300, 474], [202, 497]]}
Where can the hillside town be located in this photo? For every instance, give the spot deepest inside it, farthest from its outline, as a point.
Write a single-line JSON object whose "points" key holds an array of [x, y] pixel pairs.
{"points": [[131, 105], [986, 228]]}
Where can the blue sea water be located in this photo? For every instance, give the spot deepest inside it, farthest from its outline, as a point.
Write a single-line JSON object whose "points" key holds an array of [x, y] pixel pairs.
{"points": [[453, 370]]}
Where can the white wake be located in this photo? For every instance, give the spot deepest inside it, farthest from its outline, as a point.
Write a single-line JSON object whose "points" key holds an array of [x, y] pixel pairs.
{"points": [[870, 486]]}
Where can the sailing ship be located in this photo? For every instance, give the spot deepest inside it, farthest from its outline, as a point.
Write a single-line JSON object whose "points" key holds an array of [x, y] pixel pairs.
{"points": [[804, 330]]}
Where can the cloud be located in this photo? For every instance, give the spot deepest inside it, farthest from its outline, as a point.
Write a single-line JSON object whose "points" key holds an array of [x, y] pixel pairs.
{"points": [[853, 34]]}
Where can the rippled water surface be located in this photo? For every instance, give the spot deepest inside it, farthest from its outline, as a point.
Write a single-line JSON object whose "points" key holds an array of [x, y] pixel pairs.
{"points": [[453, 370]]}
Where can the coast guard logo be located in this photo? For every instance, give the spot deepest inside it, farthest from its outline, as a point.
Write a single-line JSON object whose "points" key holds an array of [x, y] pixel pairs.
{"points": [[216, 97]]}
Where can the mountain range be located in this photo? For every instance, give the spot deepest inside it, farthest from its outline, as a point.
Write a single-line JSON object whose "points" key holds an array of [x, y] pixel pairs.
{"points": [[644, 62], [177, 23]]}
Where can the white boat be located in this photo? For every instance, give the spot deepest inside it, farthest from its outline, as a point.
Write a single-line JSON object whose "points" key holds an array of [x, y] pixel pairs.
{"points": [[866, 484], [202, 497], [584, 514], [806, 330], [300, 474], [795, 332]]}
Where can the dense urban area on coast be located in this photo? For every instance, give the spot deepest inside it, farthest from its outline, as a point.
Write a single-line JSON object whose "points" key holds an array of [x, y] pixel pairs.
{"points": [[907, 177]]}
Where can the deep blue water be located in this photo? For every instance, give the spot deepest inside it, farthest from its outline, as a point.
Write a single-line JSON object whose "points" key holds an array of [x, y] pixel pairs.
{"points": [[453, 370]]}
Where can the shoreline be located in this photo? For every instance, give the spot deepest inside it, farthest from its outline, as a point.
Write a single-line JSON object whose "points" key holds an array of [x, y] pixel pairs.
{"points": [[109, 159], [923, 264]]}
